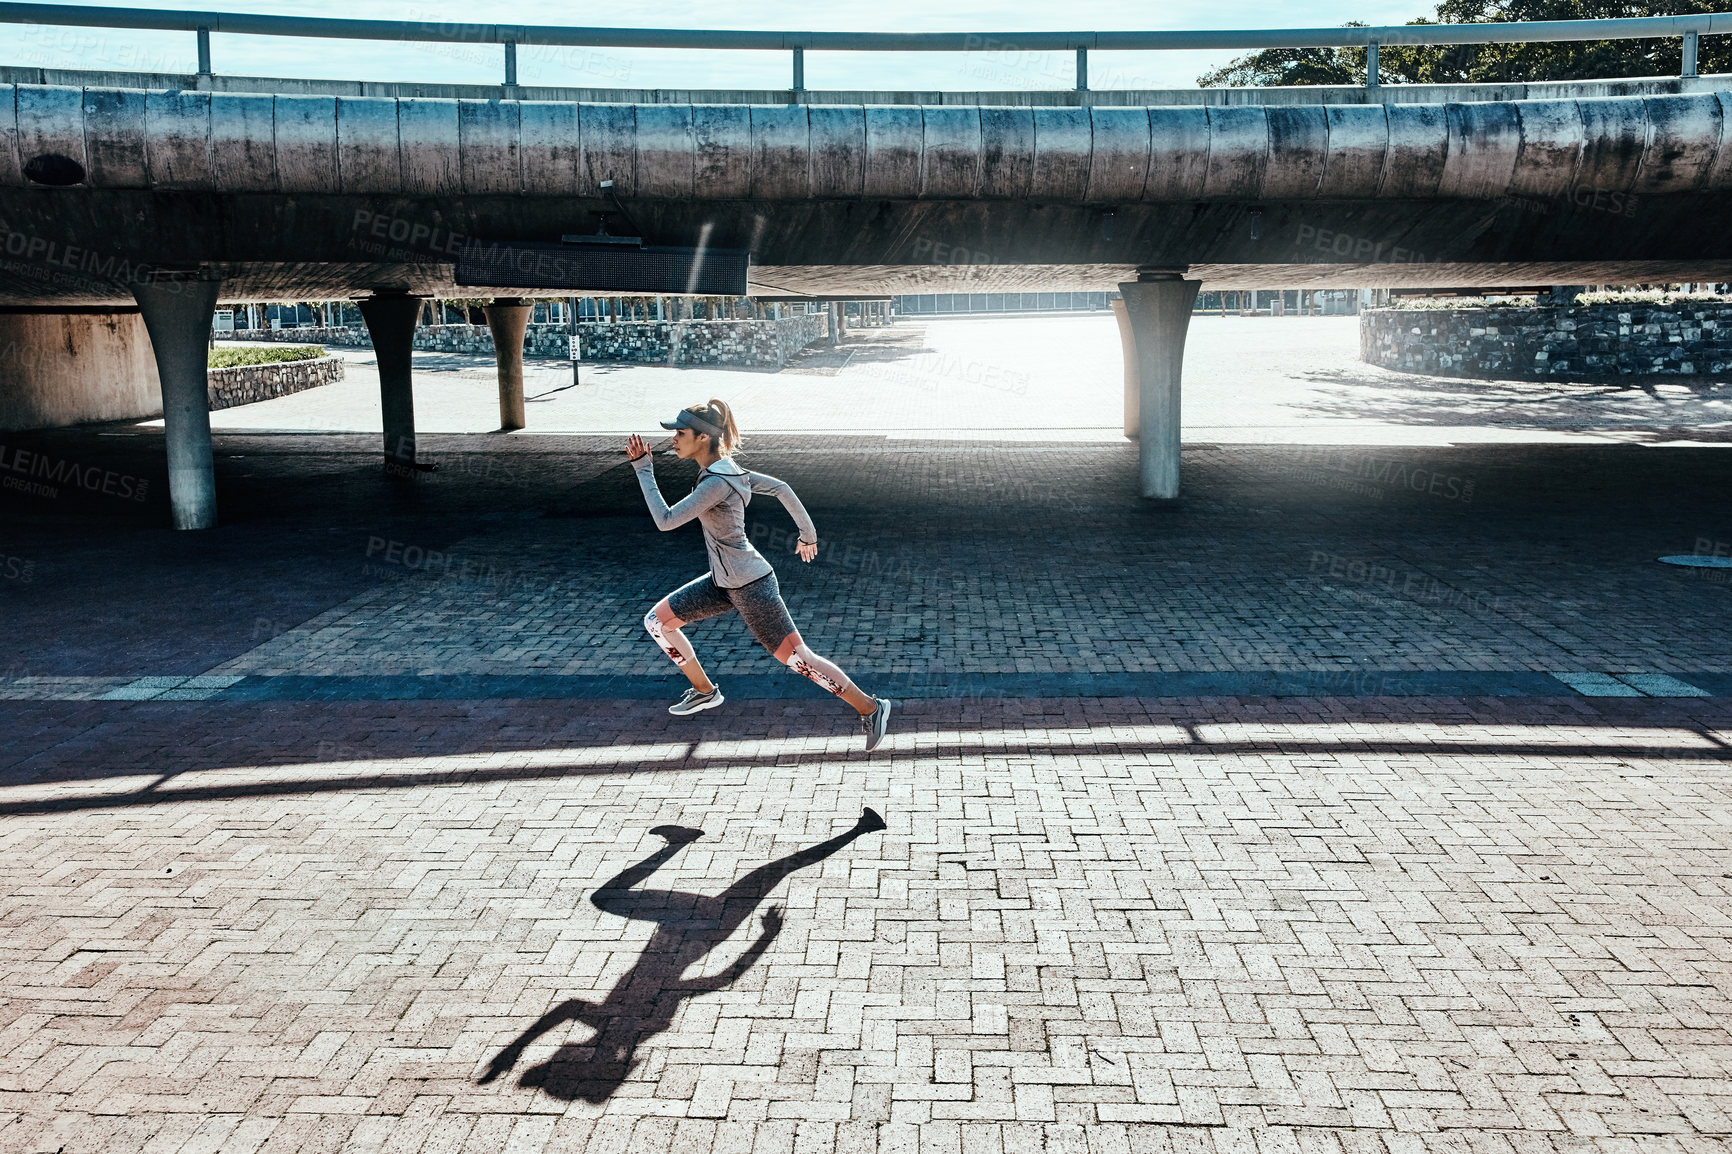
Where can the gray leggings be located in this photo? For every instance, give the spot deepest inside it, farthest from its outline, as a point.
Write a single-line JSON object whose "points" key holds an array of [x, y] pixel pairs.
{"points": [[759, 602]]}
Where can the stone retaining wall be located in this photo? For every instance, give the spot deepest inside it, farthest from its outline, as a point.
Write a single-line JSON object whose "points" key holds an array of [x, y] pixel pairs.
{"points": [[744, 343], [244, 384], [640, 342], [796, 332], [340, 336], [1586, 342]]}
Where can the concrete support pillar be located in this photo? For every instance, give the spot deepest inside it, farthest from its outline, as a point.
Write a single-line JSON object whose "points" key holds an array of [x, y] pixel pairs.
{"points": [[1159, 311], [508, 318], [1128, 346], [177, 315], [391, 323], [835, 323]]}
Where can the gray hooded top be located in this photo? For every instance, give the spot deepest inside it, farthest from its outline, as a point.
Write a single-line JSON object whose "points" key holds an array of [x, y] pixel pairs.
{"points": [[719, 503]]}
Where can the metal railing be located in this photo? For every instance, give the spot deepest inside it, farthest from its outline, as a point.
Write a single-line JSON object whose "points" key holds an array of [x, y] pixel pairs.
{"points": [[1689, 28]]}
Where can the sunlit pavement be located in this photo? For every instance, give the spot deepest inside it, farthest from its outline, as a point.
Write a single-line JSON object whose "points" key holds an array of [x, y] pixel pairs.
{"points": [[1384, 924], [1373, 797], [1278, 380]]}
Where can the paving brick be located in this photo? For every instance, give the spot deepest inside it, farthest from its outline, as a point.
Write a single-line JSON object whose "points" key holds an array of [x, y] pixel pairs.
{"points": [[1421, 930], [1354, 918]]}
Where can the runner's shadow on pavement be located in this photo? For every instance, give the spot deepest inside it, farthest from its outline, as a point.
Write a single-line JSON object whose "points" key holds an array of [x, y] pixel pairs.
{"points": [[643, 1002]]}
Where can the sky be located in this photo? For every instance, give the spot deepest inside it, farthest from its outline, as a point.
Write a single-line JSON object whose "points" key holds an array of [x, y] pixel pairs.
{"points": [[50, 47]]}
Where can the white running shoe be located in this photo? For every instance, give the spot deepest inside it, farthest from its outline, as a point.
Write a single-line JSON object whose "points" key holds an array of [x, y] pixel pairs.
{"points": [[695, 702], [876, 722]]}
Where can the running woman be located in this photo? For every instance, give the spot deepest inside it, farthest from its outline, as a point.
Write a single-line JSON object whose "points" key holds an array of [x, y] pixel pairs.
{"points": [[739, 577]]}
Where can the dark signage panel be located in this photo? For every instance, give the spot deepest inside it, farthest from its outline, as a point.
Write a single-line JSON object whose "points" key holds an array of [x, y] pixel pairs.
{"points": [[604, 268]]}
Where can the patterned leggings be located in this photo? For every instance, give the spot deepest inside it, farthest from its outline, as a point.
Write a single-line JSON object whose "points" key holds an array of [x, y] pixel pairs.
{"points": [[759, 604]]}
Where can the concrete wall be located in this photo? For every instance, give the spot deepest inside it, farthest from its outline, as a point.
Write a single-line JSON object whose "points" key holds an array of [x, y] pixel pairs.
{"points": [[71, 368], [1590, 342], [60, 369]]}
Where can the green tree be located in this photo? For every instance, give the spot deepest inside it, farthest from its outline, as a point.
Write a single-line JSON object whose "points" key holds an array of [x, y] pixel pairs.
{"points": [[1278, 67], [1491, 63]]}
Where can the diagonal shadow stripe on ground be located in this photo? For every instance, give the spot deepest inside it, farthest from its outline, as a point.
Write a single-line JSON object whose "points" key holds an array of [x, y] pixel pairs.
{"points": [[1621, 744]]}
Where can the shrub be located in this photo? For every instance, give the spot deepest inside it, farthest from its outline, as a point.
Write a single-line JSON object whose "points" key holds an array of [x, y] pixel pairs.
{"points": [[1432, 303], [1613, 297], [1649, 297], [230, 357]]}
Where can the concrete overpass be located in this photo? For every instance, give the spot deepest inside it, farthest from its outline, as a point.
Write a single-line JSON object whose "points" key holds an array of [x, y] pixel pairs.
{"points": [[306, 195], [115, 190]]}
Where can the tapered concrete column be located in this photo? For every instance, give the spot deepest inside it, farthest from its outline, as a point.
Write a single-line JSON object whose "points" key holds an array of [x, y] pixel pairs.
{"points": [[1159, 311], [1128, 346], [177, 315], [509, 320], [391, 323]]}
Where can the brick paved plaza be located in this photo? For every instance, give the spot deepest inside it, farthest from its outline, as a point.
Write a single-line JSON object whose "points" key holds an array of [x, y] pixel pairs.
{"points": [[1373, 797]]}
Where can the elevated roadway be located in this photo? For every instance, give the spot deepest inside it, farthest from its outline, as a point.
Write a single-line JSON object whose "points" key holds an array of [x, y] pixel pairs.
{"points": [[308, 195], [119, 191]]}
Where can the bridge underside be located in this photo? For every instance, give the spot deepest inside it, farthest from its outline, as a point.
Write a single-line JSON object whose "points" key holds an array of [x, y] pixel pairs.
{"points": [[258, 282], [254, 283], [88, 248], [907, 280]]}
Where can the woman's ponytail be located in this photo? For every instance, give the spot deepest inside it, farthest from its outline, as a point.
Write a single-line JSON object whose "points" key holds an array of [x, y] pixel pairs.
{"points": [[721, 416]]}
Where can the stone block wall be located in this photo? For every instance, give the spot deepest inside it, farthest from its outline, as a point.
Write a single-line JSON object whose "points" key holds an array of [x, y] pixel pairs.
{"points": [[339, 337], [742, 343], [244, 384], [1585, 342], [755, 344], [642, 342], [796, 332]]}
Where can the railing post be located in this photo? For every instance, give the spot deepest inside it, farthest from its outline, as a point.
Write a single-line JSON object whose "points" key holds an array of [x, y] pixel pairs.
{"points": [[510, 63], [1082, 69], [204, 51], [1689, 54], [799, 70], [1371, 80]]}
